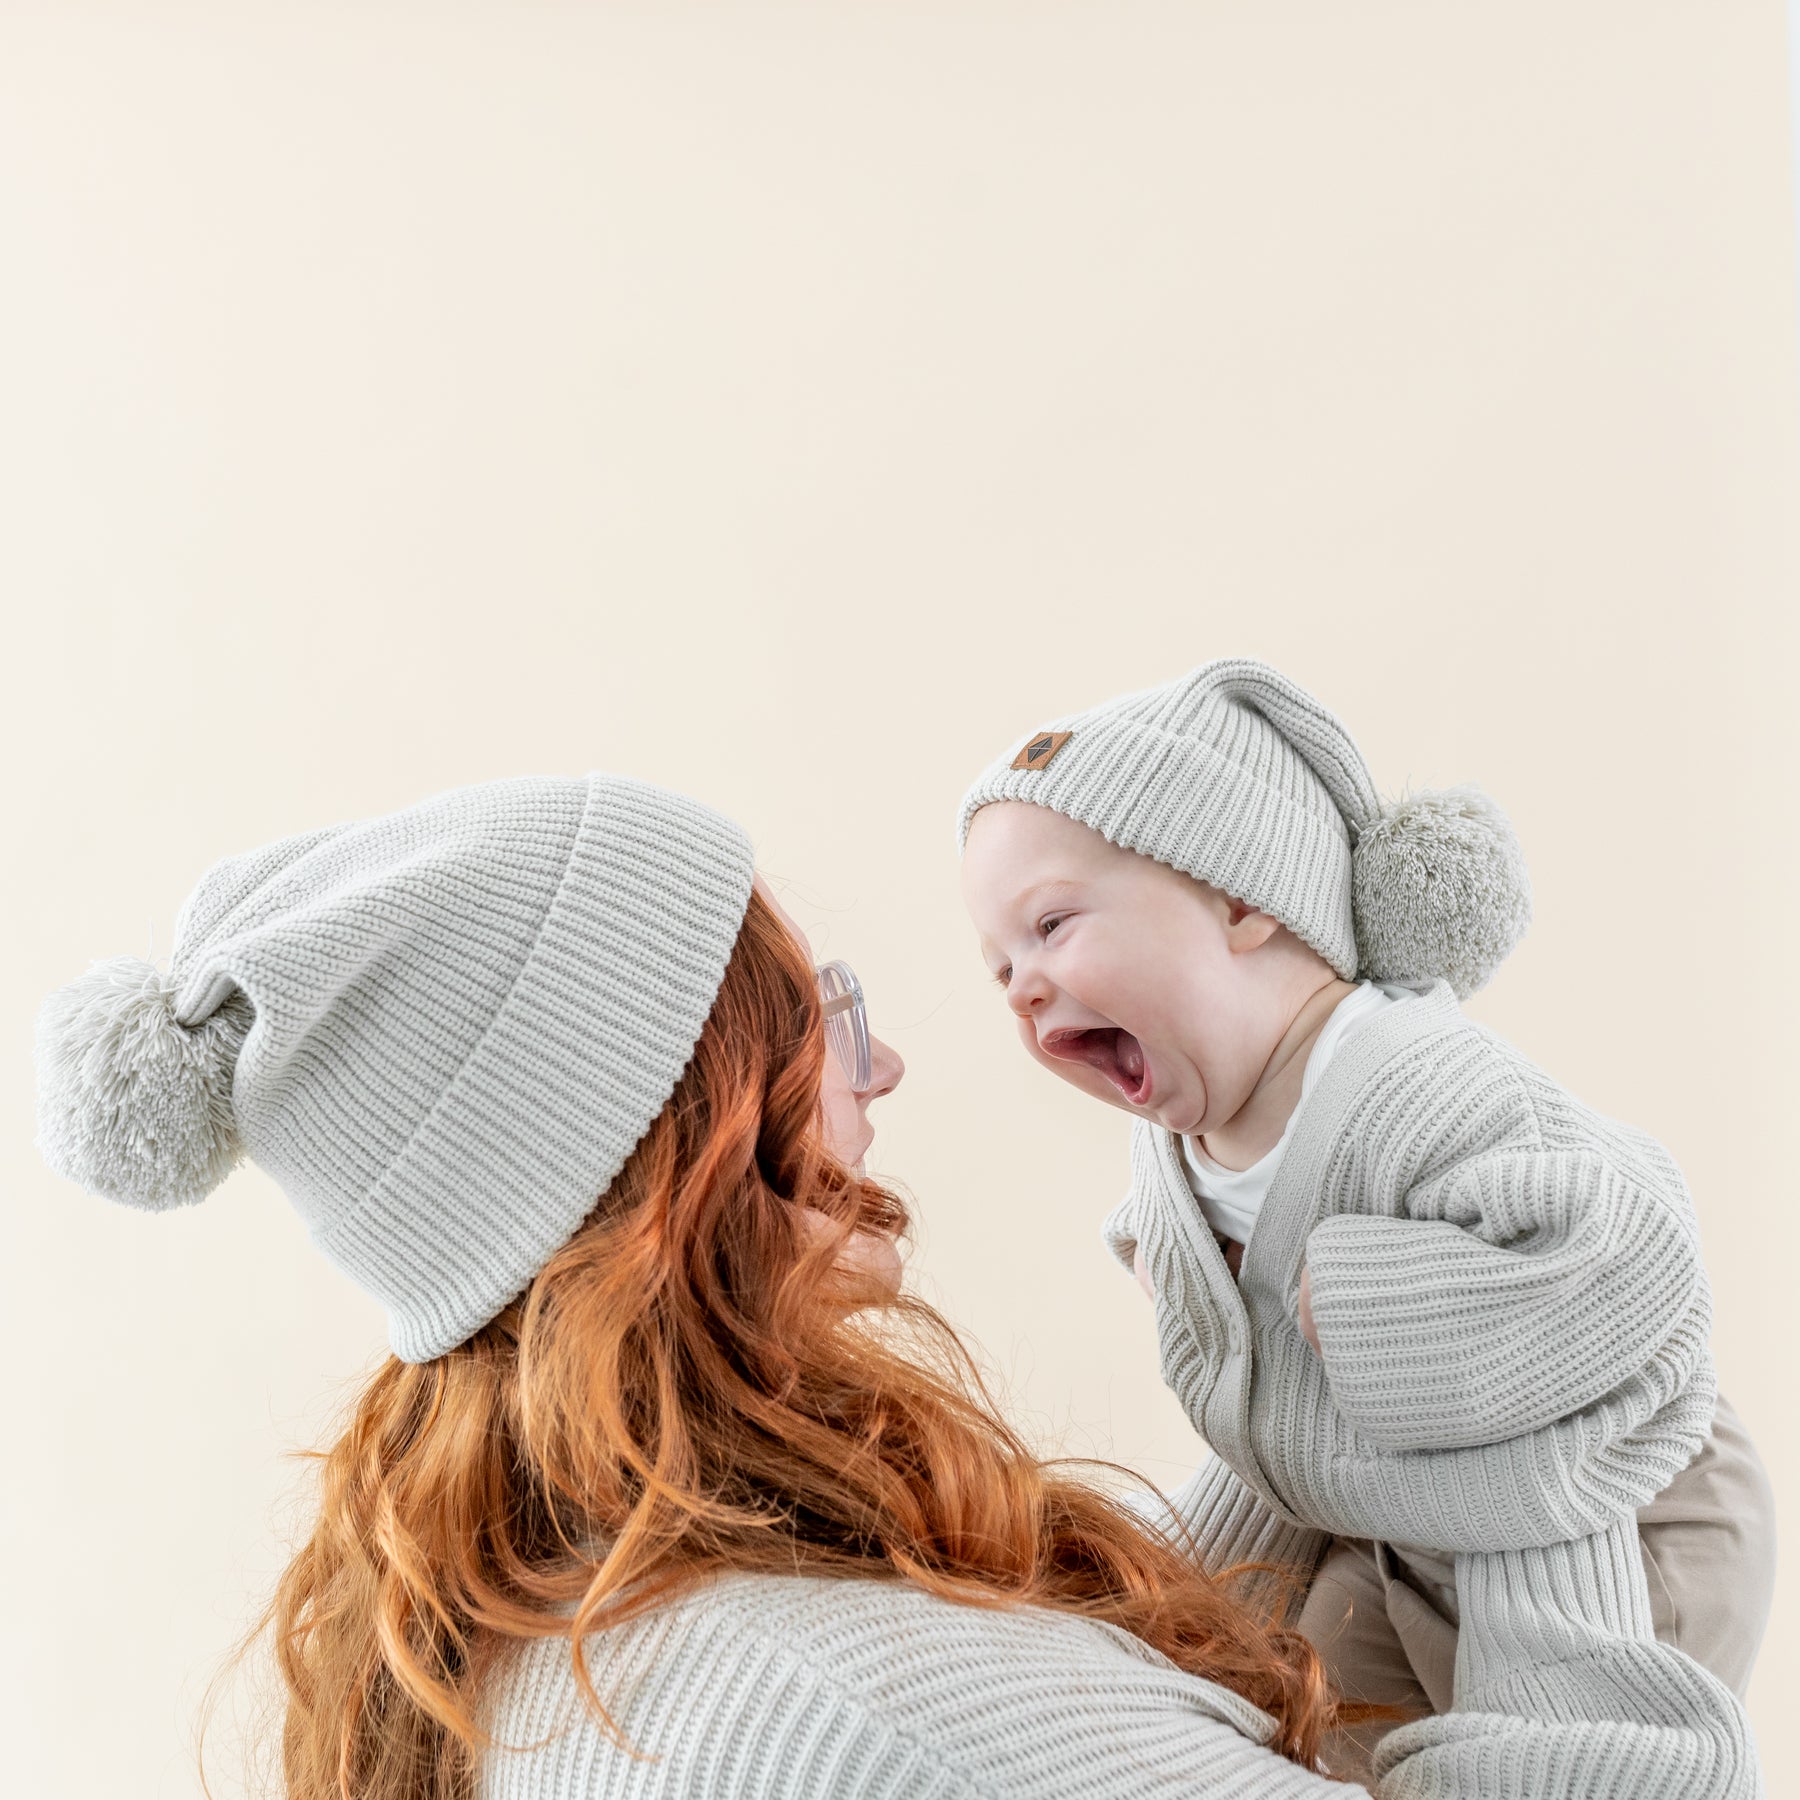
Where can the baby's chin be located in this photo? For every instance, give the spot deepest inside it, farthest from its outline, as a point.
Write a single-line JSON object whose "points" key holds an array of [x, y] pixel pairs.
{"points": [[1179, 1121], [1176, 1112]]}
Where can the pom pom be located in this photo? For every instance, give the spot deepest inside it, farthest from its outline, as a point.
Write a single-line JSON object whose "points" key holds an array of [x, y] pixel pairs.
{"points": [[1439, 890], [131, 1103]]}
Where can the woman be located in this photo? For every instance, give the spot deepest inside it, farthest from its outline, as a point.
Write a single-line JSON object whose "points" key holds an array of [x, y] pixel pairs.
{"points": [[667, 1490]]}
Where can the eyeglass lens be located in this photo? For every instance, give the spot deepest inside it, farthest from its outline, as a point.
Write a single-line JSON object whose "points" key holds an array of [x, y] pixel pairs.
{"points": [[846, 1022]]}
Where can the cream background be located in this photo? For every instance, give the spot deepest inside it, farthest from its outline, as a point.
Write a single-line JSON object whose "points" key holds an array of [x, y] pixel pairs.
{"points": [[792, 404]]}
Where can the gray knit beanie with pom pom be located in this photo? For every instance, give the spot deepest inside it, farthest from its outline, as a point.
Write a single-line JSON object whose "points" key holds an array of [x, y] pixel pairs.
{"points": [[1239, 778], [442, 1032]]}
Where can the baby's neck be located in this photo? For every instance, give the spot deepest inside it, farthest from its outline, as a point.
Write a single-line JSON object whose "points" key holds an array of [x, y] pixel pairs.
{"points": [[1256, 1127]]}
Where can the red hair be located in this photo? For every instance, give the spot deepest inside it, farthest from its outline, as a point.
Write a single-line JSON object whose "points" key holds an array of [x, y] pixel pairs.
{"points": [[685, 1384]]}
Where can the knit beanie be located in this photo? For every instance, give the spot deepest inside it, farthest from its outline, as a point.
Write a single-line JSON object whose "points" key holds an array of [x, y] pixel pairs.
{"points": [[1235, 776], [442, 1032]]}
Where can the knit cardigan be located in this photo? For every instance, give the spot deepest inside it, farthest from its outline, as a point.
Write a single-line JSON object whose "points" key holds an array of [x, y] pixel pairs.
{"points": [[1512, 1317], [1457, 1209]]}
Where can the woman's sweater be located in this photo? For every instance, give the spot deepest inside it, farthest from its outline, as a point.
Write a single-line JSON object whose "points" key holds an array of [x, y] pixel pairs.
{"points": [[762, 1687]]}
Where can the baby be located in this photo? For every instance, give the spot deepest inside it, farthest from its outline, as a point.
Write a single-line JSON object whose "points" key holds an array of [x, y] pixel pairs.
{"points": [[1444, 1327]]}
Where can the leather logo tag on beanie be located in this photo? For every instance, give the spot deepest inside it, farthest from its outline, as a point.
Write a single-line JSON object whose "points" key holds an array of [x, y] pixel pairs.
{"points": [[1039, 751]]}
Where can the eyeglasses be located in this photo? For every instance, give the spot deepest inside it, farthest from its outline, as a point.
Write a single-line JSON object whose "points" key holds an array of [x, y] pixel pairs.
{"points": [[846, 1023]]}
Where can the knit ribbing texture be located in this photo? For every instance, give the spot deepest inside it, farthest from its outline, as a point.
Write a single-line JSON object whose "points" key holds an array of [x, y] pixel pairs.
{"points": [[1514, 1317], [762, 1687], [466, 1015], [1194, 775], [1507, 1287], [1234, 775]]}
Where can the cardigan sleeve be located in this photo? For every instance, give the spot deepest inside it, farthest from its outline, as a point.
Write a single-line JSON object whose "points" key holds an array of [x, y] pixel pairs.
{"points": [[1521, 1287], [1564, 1693]]}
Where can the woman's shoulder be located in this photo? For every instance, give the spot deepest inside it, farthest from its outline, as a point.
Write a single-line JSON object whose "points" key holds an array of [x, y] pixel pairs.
{"points": [[789, 1686]]}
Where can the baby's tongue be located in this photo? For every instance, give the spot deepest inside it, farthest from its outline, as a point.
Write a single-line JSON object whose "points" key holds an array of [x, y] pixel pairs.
{"points": [[1118, 1056]]}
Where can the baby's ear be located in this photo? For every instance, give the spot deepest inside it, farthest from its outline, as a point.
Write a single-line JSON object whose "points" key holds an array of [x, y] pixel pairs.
{"points": [[1245, 927]]}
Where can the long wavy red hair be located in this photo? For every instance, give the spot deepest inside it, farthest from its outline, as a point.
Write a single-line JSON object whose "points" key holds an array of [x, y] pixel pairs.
{"points": [[688, 1383]]}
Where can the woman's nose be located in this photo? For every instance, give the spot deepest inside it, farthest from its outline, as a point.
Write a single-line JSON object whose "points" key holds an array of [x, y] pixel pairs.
{"points": [[885, 1070]]}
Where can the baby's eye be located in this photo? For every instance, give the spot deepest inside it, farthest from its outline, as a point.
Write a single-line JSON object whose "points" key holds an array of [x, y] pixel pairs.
{"points": [[1046, 926], [1003, 976]]}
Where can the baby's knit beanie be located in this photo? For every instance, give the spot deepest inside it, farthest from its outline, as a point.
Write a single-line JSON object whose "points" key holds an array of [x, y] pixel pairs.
{"points": [[1239, 778], [442, 1032]]}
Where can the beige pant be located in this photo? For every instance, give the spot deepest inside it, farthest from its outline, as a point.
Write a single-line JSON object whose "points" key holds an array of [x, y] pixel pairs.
{"points": [[1384, 1617]]}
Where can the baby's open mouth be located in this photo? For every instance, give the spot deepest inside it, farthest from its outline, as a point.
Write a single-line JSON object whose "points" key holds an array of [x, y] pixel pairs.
{"points": [[1115, 1053]]}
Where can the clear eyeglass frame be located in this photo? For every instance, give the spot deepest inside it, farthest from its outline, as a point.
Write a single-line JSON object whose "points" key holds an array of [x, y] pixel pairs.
{"points": [[846, 1023]]}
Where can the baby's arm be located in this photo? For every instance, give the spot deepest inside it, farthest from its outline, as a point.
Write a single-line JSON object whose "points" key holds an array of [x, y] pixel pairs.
{"points": [[1562, 1691], [1521, 1287]]}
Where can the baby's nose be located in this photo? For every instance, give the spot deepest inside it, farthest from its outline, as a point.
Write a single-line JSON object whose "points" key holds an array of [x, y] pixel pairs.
{"points": [[1026, 992]]}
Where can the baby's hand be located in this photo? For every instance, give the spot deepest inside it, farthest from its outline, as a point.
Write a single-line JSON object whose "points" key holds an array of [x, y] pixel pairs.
{"points": [[1308, 1329]]}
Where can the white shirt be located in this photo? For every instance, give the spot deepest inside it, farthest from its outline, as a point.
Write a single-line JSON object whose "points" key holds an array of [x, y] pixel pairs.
{"points": [[1230, 1199]]}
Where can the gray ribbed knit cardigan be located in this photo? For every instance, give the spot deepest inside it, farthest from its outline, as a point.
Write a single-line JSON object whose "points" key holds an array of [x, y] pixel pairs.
{"points": [[1507, 1288], [1509, 1294], [1513, 1316]]}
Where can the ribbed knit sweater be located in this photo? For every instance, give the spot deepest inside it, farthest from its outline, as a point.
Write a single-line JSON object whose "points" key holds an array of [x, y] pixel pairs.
{"points": [[1509, 1294], [1513, 1316], [763, 1687]]}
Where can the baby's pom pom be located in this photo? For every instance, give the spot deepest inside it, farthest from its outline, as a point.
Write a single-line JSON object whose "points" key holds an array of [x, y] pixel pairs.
{"points": [[132, 1104], [1439, 890]]}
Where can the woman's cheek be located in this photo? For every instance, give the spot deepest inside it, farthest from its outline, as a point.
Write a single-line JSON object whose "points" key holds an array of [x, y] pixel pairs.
{"points": [[843, 1120]]}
